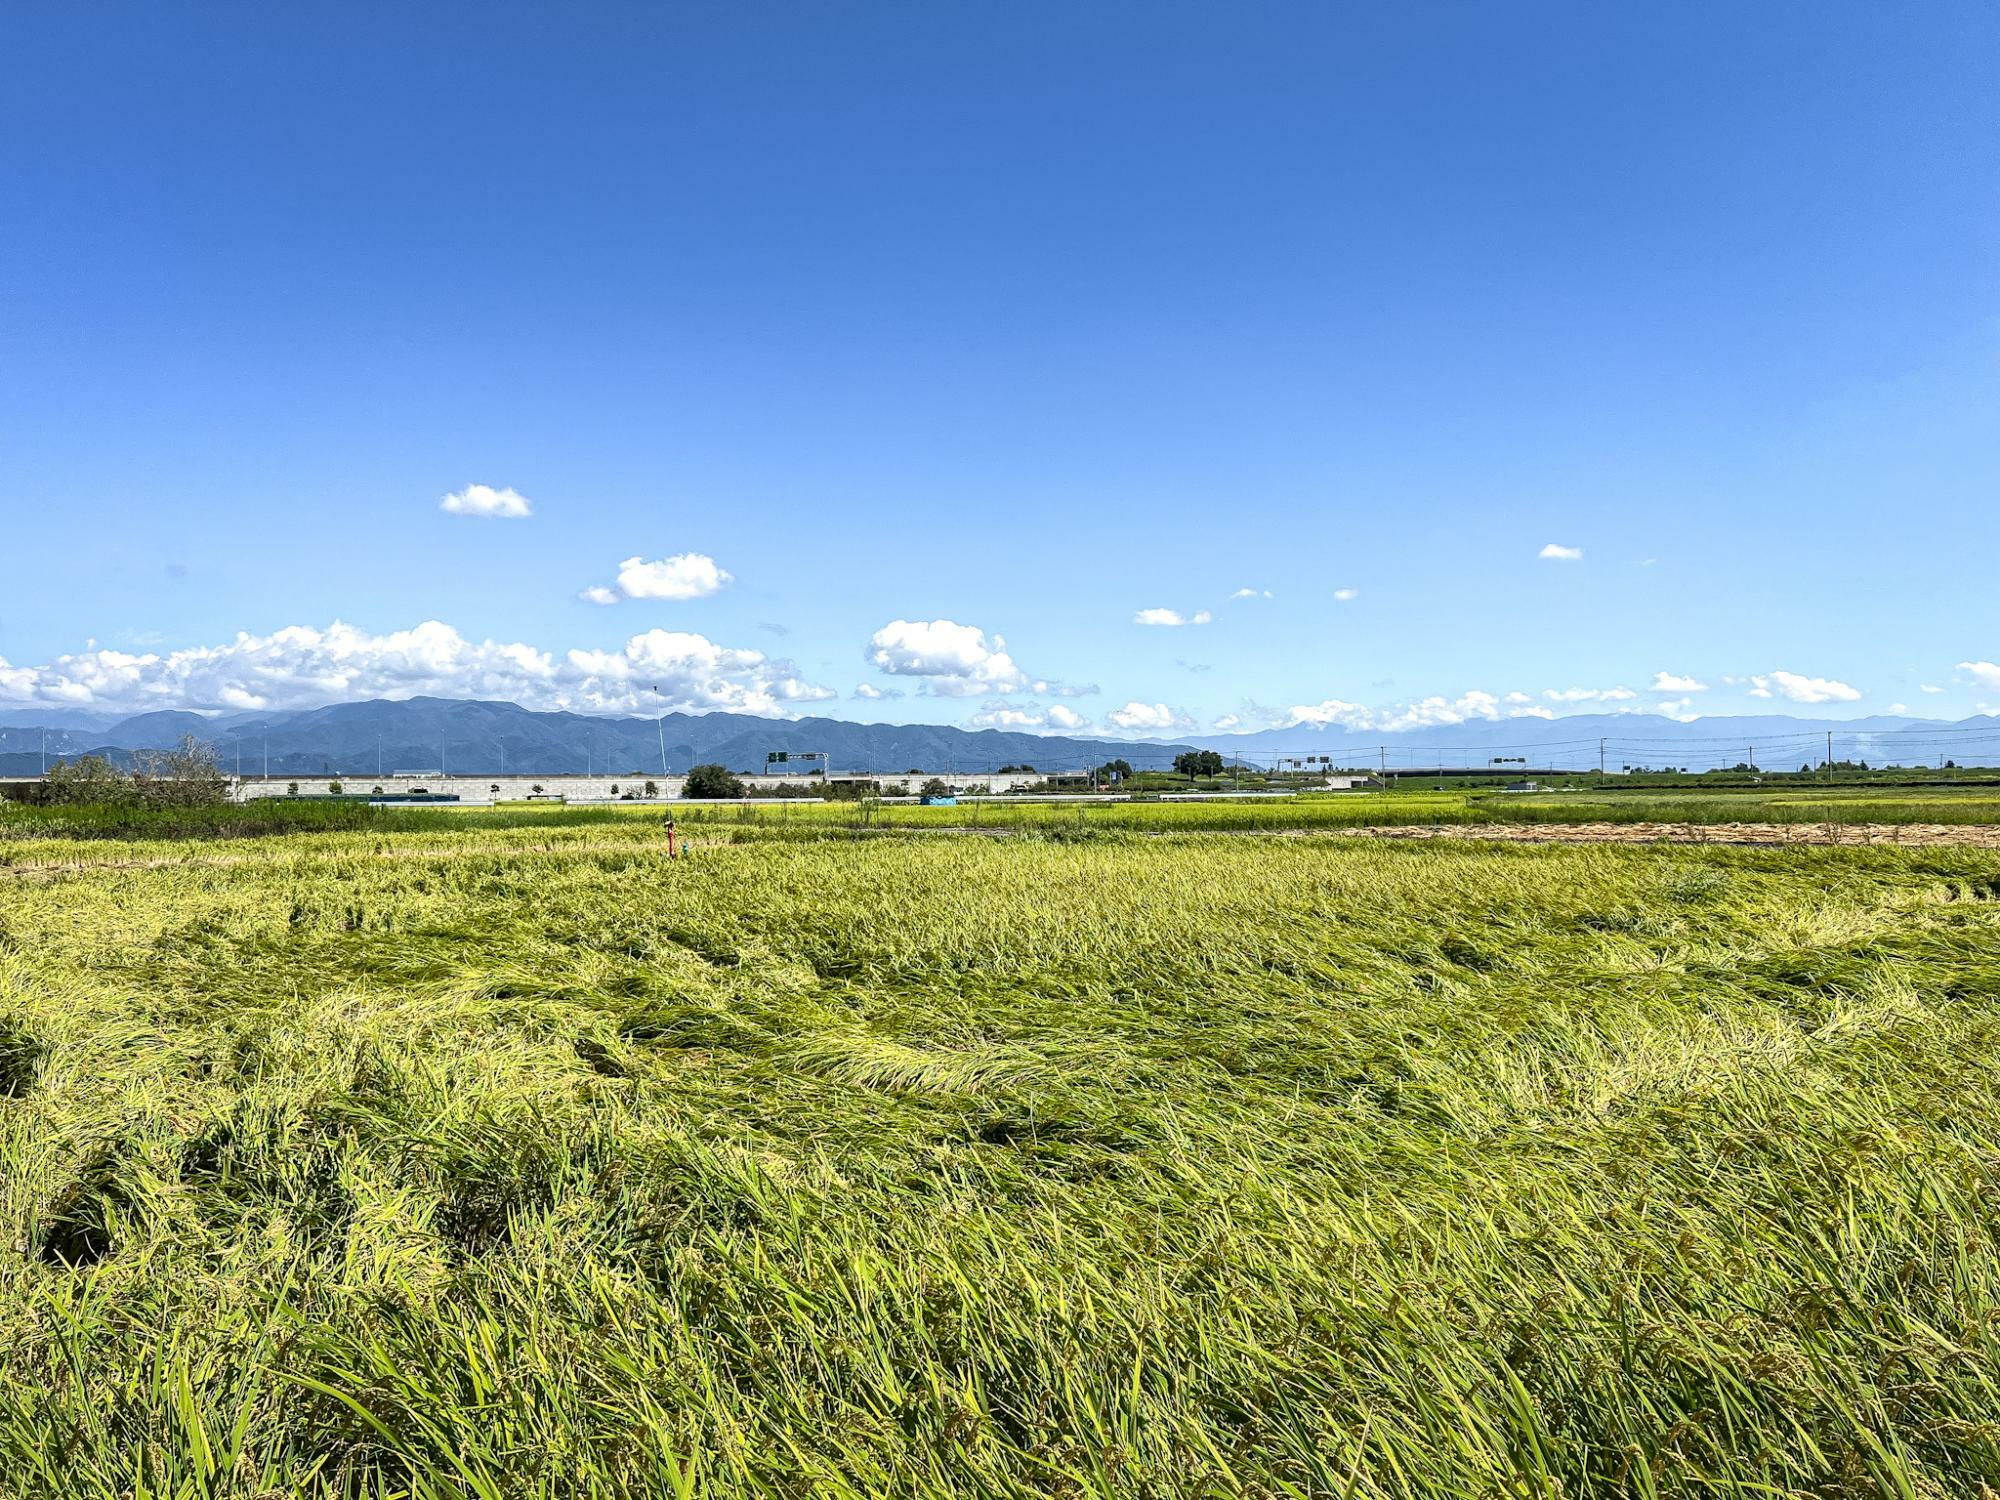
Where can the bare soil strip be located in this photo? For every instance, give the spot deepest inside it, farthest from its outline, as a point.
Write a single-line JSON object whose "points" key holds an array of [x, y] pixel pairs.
{"points": [[1895, 835]]}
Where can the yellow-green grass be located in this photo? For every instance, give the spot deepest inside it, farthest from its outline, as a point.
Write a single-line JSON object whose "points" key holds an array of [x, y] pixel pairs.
{"points": [[522, 1162], [21, 824]]}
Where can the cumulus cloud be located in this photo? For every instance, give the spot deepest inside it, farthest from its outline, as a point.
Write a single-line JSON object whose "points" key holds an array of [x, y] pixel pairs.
{"points": [[1251, 594], [1670, 682], [597, 593], [953, 660], [1557, 552], [1802, 689], [1142, 718], [484, 500], [1678, 708], [1007, 716], [1589, 695], [302, 666], [1345, 595], [1001, 714], [1170, 617], [1228, 721], [685, 575], [1425, 713], [1931, 687], [873, 693], [1985, 673]]}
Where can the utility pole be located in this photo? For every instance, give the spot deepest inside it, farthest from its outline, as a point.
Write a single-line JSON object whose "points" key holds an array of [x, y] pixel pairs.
{"points": [[1600, 756], [1382, 754], [661, 724], [1829, 755], [267, 755]]}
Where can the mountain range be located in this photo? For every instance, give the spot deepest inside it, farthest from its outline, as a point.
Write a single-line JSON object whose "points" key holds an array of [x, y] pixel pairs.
{"points": [[483, 737], [429, 734]]}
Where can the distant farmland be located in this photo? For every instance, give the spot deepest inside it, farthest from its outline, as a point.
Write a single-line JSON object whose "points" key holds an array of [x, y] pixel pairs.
{"points": [[494, 1155]]}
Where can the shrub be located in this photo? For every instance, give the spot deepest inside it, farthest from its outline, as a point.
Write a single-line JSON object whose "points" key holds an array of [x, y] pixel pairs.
{"points": [[713, 781]]}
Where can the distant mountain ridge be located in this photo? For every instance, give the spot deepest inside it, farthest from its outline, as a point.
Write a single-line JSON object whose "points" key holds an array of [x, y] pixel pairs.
{"points": [[1773, 741], [382, 736], [388, 735]]}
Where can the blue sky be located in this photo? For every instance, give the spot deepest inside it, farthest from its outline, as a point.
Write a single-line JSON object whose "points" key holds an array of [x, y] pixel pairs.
{"points": [[925, 349]]}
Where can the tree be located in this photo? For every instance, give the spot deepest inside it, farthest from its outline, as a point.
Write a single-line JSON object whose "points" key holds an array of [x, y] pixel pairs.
{"points": [[88, 778], [333, 787], [652, 789], [1114, 770], [186, 776], [712, 781], [1022, 770], [1199, 763], [935, 787]]}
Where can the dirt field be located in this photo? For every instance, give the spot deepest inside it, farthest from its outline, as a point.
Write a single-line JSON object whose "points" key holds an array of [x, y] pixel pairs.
{"points": [[1907, 835]]}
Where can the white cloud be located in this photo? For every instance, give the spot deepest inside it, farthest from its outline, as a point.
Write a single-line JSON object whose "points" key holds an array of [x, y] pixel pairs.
{"points": [[1985, 673], [954, 660], [1345, 595], [1424, 713], [1899, 708], [1251, 594], [685, 575], [1519, 698], [1802, 689], [1557, 552], [1928, 687], [1136, 717], [1000, 714], [1669, 682], [1007, 716], [1678, 708], [302, 666], [1170, 617], [1537, 712], [1228, 721], [484, 500], [597, 593], [1589, 695], [873, 693]]}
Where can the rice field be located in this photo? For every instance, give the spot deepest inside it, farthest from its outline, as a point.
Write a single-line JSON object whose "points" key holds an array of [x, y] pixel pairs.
{"points": [[450, 1159]]}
